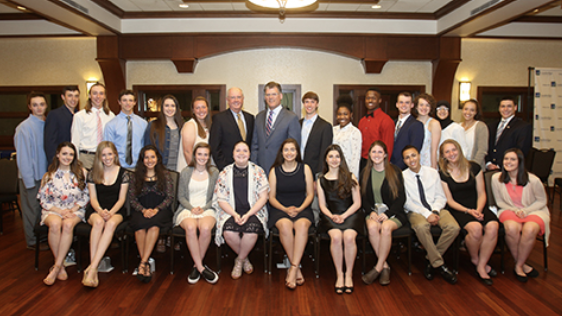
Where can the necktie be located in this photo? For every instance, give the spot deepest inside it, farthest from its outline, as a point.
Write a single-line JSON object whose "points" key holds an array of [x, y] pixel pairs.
{"points": [[99, 131], [500, 130], [422, 193], [398, 127], [241, 127], [129, 152], [269, 123]]}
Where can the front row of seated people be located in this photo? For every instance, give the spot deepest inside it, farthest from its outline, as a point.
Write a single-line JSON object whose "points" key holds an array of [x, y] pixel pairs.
{"points": [[234, 202]]}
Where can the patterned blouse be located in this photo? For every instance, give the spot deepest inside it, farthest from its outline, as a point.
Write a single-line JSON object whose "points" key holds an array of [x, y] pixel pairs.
{"points": [[63, 193], [168, 193], [350, 140]]}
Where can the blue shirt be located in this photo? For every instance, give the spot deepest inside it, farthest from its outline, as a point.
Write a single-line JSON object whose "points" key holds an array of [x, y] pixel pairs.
{"points": [[31, 159], [116, 131], [57, 130]]}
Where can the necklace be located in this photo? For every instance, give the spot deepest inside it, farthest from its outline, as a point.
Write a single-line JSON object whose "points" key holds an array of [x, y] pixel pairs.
{"points": [[201, 171]]}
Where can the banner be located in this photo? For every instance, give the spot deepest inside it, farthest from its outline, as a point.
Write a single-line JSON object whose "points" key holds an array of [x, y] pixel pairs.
{"points": [[548, 115]]}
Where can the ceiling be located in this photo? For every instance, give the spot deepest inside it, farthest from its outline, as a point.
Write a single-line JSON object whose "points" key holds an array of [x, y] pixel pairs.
{"points": [[463, 18]]}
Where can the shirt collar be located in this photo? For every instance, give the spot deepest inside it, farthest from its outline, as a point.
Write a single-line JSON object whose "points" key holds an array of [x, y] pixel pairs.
{"points": [[313, 119]]}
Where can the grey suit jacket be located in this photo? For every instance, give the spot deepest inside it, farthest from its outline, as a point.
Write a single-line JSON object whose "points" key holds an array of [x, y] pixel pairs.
{"points": [[264, 148]]}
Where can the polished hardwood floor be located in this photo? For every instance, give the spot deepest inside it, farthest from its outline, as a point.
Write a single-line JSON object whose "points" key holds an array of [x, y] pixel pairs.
{"points": [[22, 291]]}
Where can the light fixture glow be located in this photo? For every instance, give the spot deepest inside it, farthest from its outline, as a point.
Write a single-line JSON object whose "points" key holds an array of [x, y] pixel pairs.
{"points": [[376, 6], [184, 5], [89, 83], [464, 91], [21, 8], [283, 4]]}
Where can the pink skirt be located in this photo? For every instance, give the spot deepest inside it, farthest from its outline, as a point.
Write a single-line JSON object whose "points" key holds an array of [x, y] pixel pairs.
{"points": [[510, 216]]}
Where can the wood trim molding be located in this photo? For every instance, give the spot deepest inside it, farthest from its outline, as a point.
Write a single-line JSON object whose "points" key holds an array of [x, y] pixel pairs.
{"points": [[186, 65], [539, 19], [449, 7], [290, 15], [479, 15], [84, 16], [19, 17], [115, 10]]}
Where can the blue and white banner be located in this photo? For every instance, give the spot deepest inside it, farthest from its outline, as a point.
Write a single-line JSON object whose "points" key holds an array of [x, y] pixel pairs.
{"points": [[548, 115]]}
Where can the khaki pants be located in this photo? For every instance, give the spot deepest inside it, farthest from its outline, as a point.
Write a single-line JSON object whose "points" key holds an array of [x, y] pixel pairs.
{"points": [[87, 160], [422, 227]]}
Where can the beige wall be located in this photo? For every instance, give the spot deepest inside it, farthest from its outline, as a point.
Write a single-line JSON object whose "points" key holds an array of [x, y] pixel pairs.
{"points": [[49, 61], [499, 62]]}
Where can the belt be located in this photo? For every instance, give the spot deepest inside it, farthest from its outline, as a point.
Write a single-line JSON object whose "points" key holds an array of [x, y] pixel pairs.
{"points": [[87, 152]]}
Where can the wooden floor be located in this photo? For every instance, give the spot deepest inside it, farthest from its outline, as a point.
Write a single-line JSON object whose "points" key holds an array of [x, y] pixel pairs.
{"points": [[23, 293]]}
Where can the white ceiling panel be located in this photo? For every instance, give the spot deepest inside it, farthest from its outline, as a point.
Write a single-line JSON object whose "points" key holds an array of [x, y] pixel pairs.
{"points": [[408, 5], [37, 27], [175, 6], [322, 7], [342, 7], [216, 6], [368, 7], [239, 6], [126, 5], [433, 6], [151, 5], [552, 12]]}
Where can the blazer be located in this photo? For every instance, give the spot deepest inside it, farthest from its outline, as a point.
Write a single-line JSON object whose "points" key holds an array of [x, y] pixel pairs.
{"points": [[320, 137], [264, 148], [183, 190], [225, 134], [395, 205], [517, 134], [411, 133]]}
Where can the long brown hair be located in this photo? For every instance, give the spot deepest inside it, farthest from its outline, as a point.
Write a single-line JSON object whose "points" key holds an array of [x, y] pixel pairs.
{"points": [[158, 126], [464, 164], [279, 160], [345, 181], [390, 173], [140, 170], [75, 166], [89, 105], [200, 129], [522, 174], [98, 174]]}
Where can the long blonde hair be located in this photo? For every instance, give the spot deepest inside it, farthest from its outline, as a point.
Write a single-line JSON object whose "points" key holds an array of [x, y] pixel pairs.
{"points": [[464, 164], [105, 105], [98, 175]]}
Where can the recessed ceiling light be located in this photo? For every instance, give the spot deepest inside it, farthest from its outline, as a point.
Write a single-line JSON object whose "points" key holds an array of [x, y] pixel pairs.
{"points": [[184, 5], [21, 8], [376, 6]]}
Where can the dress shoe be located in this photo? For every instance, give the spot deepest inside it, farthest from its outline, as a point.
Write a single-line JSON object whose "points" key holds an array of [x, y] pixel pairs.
{"points": [[493, 273], [384, 279], [428, 272], [533, 273], [447, 274], [487, 281], [370, 276], [520, 278]]}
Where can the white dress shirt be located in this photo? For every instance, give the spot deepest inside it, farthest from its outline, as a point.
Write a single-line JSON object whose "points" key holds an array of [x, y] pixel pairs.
{"points": [[84, 133], [305, 132], [433, 189]]}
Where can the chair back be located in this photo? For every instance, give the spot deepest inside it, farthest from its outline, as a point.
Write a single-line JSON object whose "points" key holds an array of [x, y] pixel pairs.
{"points": [[175, 180], [488, 183], [8, 177], [541, 164]]}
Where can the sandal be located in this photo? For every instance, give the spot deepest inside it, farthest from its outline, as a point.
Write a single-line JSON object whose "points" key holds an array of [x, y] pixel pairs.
{"points": [[63, 276], [52, 276], [237, 269], [300, 279], [148, 274], [248, 267], [141, 271], [161, 246]]}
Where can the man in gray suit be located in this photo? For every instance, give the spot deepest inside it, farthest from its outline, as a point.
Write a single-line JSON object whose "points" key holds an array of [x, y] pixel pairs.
{"points": [[273, 125]]}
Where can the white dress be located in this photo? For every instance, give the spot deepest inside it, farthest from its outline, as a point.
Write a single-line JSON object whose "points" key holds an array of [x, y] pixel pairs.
{"points": [[350, 140], [455, 132], [469, 136], [181, 157], [425, 154], [197, 197]]}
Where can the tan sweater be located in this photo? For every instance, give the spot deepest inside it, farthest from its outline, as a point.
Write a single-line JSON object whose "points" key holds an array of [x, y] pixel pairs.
{"points": [[533, 197]]}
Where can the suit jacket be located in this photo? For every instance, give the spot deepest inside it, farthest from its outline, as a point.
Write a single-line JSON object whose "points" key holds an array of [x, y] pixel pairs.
{"points": [[264, 148], [411, 133], [320, 137], [225, 134], [517, 134]]}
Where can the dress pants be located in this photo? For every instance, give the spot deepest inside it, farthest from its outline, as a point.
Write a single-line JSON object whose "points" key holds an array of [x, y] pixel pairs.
{"points": [[31, 210], [450, 230], [87, 160]]}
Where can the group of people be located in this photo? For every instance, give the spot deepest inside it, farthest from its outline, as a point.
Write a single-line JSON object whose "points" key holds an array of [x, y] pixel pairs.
{"points": [[243, 176]]}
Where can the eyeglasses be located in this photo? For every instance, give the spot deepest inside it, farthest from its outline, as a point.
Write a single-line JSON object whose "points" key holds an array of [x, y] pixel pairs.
{"points": [[442, 108]]}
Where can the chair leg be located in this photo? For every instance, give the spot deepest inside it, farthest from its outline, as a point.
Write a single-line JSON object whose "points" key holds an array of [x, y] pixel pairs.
{"points": [[219, 253], [37, 238], [122, 248], [410, 255], [172, 253], [317, 261], [270, 264], [265, 254], [545, 255], [79, 254], [364, 264]]}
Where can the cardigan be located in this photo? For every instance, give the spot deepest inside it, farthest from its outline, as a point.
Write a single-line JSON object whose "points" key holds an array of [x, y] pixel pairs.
{"points": [[480, 147], [183, 189], [395, 205], [533, 197]]}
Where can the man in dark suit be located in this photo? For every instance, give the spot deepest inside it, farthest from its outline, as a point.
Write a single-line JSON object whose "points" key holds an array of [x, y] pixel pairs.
{"points": [[408, 131], [273, 126], [509, 132], [230, 127], [316, 133]]}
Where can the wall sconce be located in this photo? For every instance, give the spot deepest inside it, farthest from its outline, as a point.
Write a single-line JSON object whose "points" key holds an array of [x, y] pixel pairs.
{"points": [[464, 91], [89, 84]]}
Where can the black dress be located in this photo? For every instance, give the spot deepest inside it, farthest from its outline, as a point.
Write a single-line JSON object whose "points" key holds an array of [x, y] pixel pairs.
{"points": [[466, 194], [338, 206], [240, 183], [290, 191], [151, 197], [108, 195]]}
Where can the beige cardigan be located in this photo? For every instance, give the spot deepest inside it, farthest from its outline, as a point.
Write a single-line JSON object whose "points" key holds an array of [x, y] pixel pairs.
{"points": [[534, 199], [480, 147]]}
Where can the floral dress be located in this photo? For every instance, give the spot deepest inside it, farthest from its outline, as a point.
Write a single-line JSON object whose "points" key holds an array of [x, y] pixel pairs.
{"points": [[62, 191]]}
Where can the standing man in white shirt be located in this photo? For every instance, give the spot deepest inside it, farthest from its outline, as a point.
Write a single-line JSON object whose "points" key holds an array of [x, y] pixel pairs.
{"points": [[425, 203], [316, 134], [88, 125]]}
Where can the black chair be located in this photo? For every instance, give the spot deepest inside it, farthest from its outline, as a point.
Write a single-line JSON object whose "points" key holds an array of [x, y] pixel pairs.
{"points": [[541, 164], [8, 188], [83, 232], [180, 233], [557, 189], [274, 233]]}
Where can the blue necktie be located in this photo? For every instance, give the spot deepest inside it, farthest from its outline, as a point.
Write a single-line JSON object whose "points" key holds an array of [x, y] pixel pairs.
{"points": [[422, 194]]}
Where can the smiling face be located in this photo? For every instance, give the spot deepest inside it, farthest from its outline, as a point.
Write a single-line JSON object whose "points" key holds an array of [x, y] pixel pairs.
{"points": [[404, 104], [127, 103], [289, 152], [510, 162], [202, 156], [377, 155], [150, 159], [344, 116], [507, 108], [107, 157], [372, 100], [97, 95], [469, 111], [423, 107], [71, 99], [38, 106], [169, 108], [241, 154], [235, 99], [412, 159], [65, 156], [273, 97], [310, 106], [333, 159], [200, 110], [442, 112], [450, 152]]}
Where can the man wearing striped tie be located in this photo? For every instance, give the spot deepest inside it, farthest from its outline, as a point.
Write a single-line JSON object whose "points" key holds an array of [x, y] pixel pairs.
{"points": [[230, 127], [508, 132], [273, 126]]}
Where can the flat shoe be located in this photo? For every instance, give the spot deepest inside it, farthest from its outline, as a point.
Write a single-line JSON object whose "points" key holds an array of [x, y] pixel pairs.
{"points": [[384, 278], [520, 278], [487, 281], [237, 269], [63, 276], [51, 281], [370, 276], [248, 267], [533, 273]]}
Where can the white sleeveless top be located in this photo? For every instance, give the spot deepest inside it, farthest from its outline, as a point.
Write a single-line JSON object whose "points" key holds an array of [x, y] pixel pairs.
{"points": [[425, 154], [181, 157]]}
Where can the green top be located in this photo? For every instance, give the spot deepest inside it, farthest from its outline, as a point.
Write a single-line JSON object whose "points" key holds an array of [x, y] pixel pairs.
{"points": [[377, 178]]}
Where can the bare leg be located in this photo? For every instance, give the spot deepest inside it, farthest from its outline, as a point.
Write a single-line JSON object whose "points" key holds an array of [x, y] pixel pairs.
{"points": [[190, 227], [247, 243], [526, 243], [473, 241], [488, 245], [374, 228], [336, 248], [512, 238], [233, 240], [350, 249], [385, 244], [105, 239], [97, 223], [149, 242], [206, 225], [301, 238], [55, 226]]}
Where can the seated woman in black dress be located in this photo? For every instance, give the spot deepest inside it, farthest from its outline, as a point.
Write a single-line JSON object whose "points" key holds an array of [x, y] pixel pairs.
{"points": [[291, 186], [339, 200], [463, 183], [151, 195], [108, 184], [240, 196], [383, 197]]}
